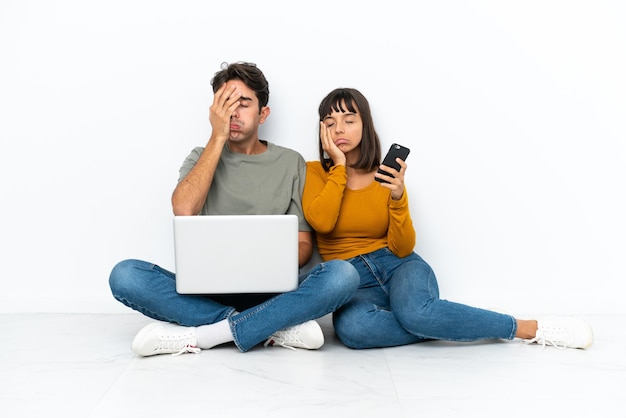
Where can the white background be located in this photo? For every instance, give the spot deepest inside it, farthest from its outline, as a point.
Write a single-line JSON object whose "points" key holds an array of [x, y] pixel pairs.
{"points": [[514, 111]]}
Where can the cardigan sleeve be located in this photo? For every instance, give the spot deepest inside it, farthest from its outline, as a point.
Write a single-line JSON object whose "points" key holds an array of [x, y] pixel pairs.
{"points": [[401, 234], [322, 195]]}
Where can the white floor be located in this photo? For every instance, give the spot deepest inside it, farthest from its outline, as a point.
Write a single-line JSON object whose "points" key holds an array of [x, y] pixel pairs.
{"points": [[80, 365]]}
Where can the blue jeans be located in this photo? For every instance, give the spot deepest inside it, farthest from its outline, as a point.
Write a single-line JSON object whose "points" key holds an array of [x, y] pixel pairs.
{"points": [[398, 303], [151, 290]]}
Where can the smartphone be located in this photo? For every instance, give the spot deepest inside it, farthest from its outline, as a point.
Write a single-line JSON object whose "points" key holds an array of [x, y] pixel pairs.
{"points": [[395, 151]]}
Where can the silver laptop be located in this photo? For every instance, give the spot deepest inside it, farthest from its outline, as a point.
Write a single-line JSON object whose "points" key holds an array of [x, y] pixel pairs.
{"points": [[220, 254]]}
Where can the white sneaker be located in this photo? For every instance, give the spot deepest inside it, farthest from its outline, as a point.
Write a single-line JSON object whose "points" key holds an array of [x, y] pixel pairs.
{"points": [[563, 332], [164, 338], [307, 335]]}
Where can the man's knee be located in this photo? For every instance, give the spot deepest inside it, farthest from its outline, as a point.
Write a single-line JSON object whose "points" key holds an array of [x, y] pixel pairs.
{"points": [[121, 275]]}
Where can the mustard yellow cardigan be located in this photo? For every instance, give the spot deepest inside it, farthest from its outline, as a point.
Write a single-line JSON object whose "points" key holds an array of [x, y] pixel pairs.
{"points": [[354, 222]]}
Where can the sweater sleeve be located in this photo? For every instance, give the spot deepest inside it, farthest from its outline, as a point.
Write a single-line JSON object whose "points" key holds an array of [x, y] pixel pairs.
{"points": [[322, 195], [401, 234]]}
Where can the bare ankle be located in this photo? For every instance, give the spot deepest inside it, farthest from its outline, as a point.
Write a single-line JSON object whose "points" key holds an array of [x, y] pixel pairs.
{"points": [[526, 329]]}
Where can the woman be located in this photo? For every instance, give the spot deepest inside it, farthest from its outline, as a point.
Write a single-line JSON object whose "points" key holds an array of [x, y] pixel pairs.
{"points": [[368, 223]]}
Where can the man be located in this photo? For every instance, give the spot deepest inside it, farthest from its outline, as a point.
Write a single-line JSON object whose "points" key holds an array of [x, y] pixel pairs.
{"points": [[235, 173]]}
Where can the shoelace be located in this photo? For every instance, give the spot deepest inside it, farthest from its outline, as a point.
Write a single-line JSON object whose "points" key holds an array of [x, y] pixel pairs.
{"points": [[281, 343], [286, 336], [182, 345], [187, 349], [541, 339]]}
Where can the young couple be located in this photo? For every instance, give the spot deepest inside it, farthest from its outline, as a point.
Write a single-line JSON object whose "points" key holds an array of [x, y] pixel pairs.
{"points": [[381, 293]]}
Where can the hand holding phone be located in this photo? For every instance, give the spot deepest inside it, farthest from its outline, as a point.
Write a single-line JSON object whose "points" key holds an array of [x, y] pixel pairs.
{"points": [[395, 151]]}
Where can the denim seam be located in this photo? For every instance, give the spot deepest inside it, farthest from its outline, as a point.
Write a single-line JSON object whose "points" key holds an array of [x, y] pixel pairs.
{"points": [[374, 272], [513, 328], [235, 336], [234, 323]]}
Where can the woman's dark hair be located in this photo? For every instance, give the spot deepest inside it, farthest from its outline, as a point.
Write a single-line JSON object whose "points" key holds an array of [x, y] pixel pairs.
{"points": [[355, 102], [247, 72]]}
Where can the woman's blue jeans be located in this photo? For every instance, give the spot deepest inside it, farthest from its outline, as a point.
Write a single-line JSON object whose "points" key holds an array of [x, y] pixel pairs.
{"points": [[398, 303], [151, 290]]}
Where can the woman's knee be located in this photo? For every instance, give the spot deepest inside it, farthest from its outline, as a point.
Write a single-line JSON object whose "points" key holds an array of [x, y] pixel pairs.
{"points": [[341, 277], [350, 331], [414, 279]]}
